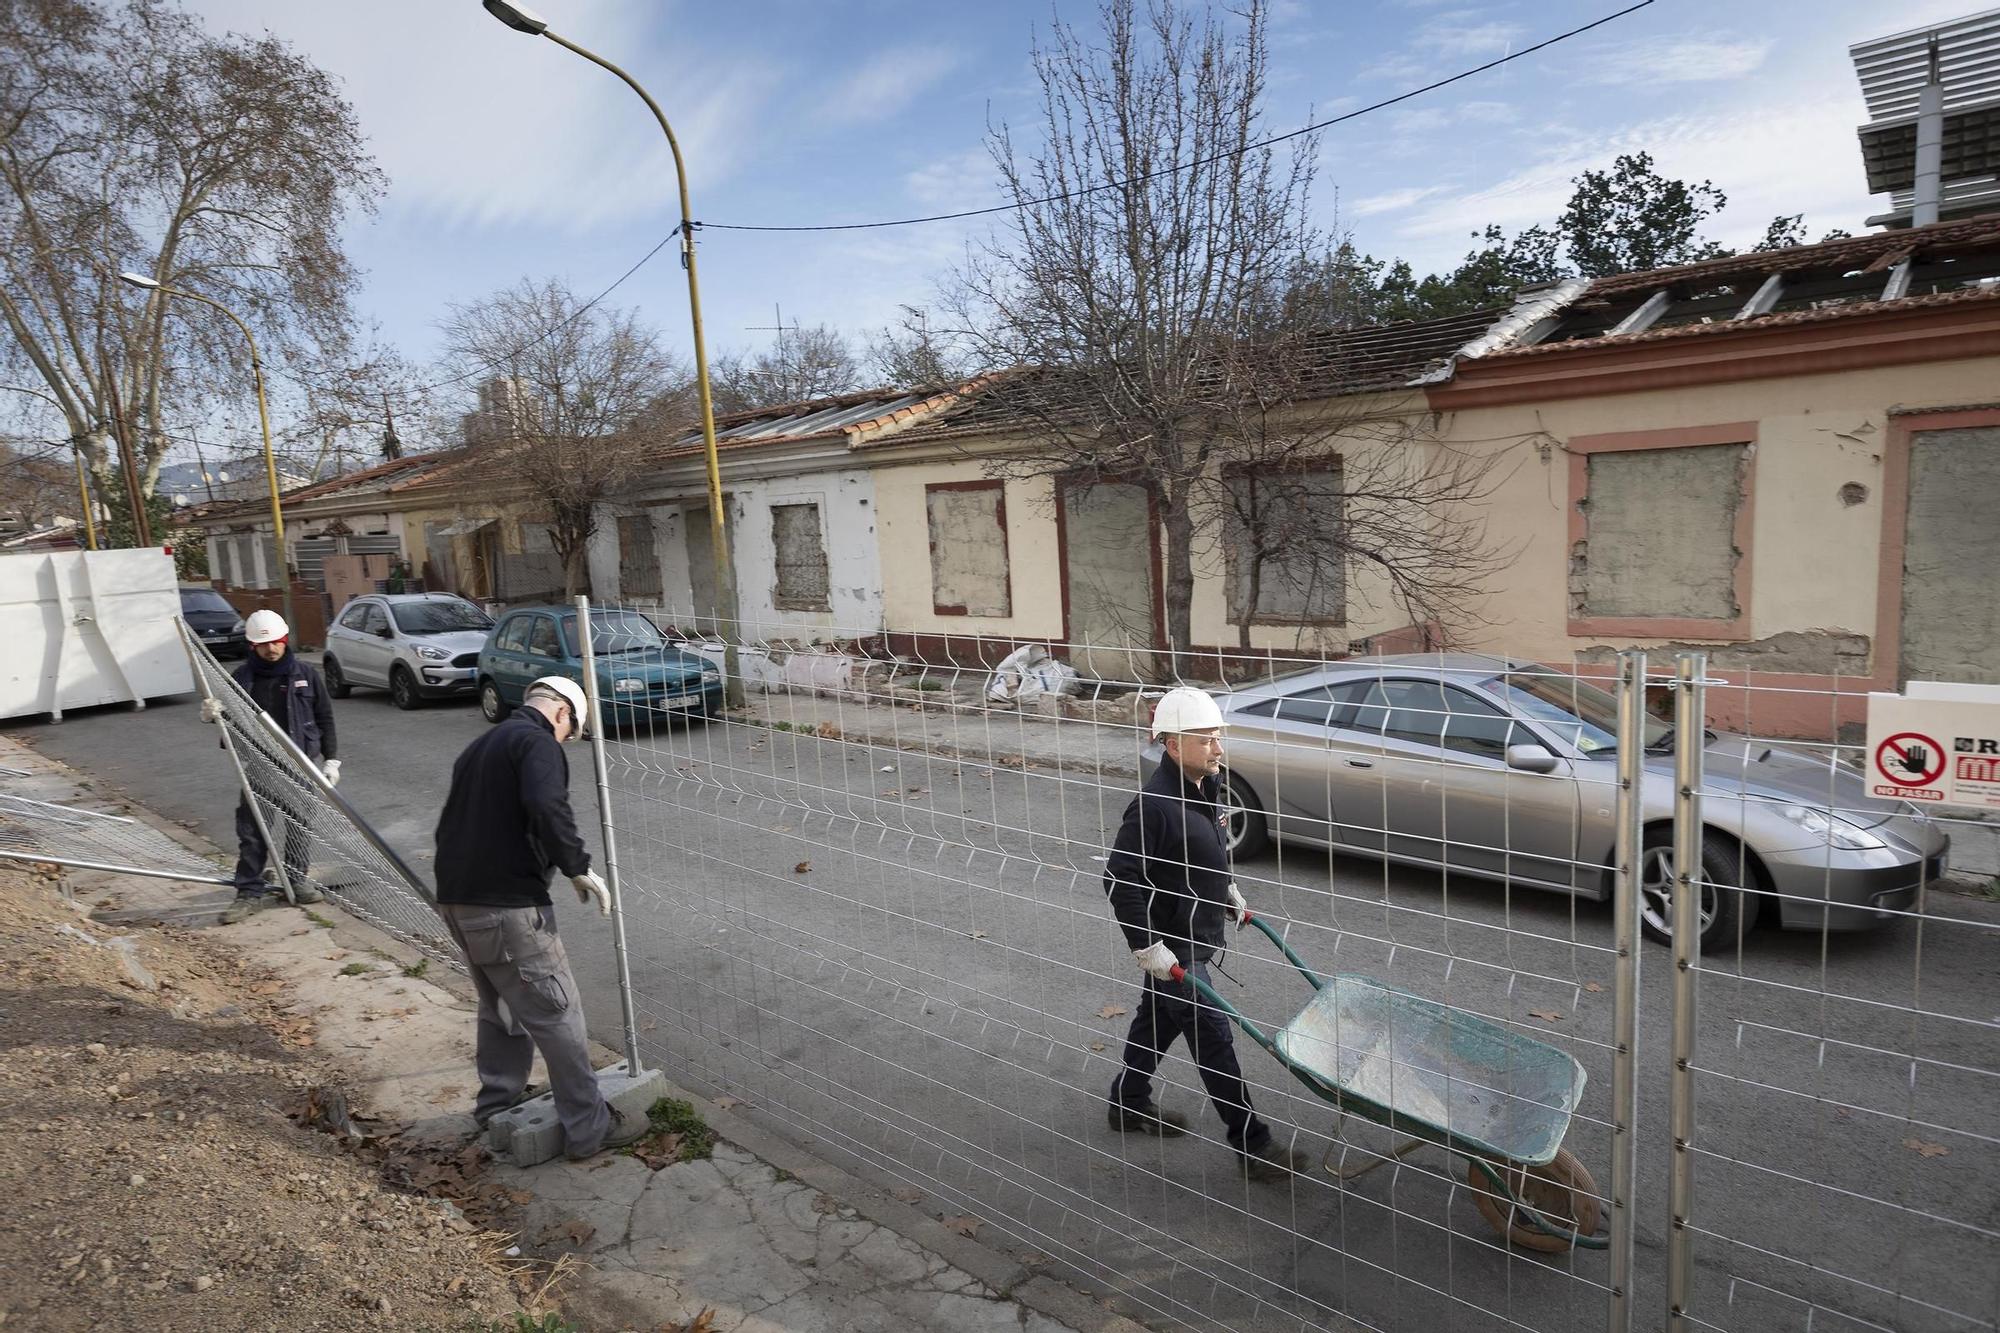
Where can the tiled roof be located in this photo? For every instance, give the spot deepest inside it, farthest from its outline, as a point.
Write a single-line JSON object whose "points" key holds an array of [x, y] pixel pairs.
{"points": [[1854, 252], [381, 477], [851, 416]]}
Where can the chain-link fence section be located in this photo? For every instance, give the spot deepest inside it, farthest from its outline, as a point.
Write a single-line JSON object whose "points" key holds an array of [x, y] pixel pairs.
{"points": [[315, 836], [88, 840]]}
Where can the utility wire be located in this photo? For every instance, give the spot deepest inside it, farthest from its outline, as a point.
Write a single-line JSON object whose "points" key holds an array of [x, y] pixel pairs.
{"points": [[1186, 166]]}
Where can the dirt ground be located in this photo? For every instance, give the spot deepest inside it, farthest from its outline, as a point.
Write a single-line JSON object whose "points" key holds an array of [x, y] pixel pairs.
{"points": [[154, 1177]]}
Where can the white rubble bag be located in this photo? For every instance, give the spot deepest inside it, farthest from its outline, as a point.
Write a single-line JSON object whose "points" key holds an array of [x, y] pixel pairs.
{"points": [[1027, 672]]}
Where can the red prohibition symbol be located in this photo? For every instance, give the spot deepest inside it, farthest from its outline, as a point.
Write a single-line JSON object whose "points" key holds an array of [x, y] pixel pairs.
{"points": [[1910, 759]]}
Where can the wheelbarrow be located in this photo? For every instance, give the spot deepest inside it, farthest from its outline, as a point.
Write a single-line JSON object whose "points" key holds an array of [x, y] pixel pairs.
{"points": [[1442, 1077]]}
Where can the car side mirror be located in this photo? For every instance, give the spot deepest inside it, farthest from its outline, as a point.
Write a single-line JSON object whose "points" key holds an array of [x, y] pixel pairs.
{"points": [[385, 633], [1531, 759]]}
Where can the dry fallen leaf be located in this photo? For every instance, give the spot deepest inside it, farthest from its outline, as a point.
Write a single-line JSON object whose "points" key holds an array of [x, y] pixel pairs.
{"points": [[1546, 1015], [728, 1103], [978, 934], [907, 1194], [802, 867], [521, 1197], [1097, 1046], [701, 1323], [1923, 1149], [1592, 987], [964, 1226], [1111, 1011]]}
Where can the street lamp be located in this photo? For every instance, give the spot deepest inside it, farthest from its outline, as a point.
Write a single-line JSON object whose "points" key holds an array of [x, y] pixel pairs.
{"points": [[522, 19], [146, 284]]}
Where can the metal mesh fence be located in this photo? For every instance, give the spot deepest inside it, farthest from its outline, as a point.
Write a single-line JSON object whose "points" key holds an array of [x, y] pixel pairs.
{"points": [[68, 836], [1842, 1168], [871, 907], [315, 836]]}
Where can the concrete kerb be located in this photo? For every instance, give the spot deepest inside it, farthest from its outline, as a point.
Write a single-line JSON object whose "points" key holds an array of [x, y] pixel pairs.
{"points": [[271, 939]]}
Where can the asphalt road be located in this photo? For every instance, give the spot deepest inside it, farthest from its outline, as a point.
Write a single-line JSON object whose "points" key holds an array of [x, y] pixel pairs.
{"points": [[906, 962]]}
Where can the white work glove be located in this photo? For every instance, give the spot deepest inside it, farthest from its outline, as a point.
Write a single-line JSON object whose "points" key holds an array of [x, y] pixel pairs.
{"points": [[1238, 910], [211, 710], [1158, 960], [591, 886], [331, 768]]}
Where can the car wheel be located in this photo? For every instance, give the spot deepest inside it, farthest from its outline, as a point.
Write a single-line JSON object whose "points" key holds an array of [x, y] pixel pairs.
{"points": [[403, 689], [1248, 833], [337, 683], [1726, 911], [490, 703]]}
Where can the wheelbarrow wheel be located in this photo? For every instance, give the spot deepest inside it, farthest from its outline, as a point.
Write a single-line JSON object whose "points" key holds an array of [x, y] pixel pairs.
{"points": [[1561, 1191]]}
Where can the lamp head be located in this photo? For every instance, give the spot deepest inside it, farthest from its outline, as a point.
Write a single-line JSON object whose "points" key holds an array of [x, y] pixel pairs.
{"points": [[518, 17], [139, 280]]}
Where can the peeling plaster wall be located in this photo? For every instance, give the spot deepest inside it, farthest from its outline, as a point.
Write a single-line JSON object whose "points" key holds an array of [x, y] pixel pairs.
{"points": [[1816, 540], [1662, 534]]}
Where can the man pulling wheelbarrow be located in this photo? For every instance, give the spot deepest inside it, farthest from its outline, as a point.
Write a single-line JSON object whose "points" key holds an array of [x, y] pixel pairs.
{"points": [[1169, 883]]}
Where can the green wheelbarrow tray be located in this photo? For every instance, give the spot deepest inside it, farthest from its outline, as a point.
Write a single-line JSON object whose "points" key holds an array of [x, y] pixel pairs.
{"points": [[1437, 1074]]}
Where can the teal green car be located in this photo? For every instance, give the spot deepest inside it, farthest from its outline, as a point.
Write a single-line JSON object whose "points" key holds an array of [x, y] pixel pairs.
{"points": [[642, 680]]}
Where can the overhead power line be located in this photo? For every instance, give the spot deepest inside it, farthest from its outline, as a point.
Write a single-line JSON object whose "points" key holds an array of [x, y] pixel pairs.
{"points": [[1186, 166]]}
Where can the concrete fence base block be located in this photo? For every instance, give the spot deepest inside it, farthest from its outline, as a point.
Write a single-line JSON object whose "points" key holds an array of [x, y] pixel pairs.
{"points": [[531, 1133]]}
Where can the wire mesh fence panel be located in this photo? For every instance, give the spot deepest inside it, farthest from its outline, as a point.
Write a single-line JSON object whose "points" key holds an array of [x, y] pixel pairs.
{"points": [[316, 836], [1845, 1063], [871, 906], [65, 835]]}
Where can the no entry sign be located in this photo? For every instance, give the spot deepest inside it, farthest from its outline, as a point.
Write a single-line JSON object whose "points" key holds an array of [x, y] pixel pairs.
{"points": [[1936, 742]]}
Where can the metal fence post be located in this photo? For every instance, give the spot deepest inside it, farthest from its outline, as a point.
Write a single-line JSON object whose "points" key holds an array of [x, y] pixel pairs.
{"points": [[271, 848], [618, 947], [1690, 737], [1625, 983]]}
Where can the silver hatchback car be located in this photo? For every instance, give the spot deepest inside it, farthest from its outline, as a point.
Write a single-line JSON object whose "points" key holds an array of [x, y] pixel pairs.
{"points": [[1507, 770], [417, 646]]}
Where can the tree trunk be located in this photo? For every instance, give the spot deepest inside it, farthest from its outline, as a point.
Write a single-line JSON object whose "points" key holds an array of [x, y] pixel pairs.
{"points": [[576, 568], [1252, 592], [1179, 584]]}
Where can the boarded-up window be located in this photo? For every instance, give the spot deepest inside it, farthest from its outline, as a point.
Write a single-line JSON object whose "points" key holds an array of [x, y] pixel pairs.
{"points": [[1282, 546], [968, 532], [1660, 533], [801, 558], [536, 573], [638, 559]]}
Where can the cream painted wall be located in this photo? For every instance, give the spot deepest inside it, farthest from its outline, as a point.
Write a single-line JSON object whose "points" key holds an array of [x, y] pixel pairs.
{"points": [[903, 531], [1815, 559]]}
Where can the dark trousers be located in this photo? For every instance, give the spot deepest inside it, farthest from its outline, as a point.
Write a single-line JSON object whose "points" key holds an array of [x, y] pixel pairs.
{"points": [[252, 854], [1170, 1010]]}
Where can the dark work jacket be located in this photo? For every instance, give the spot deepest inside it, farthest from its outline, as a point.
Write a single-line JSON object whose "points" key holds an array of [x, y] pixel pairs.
{"points": [[507, 821], [1168, 875], [305, 711]]}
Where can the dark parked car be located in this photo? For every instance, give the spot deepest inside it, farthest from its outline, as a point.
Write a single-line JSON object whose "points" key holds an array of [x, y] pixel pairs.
{"points": [[214, 620], [641, 678]]}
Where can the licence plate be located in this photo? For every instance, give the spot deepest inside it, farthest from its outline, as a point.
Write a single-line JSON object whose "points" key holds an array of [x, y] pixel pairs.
{"points": [[214, 636], [682, 701]]}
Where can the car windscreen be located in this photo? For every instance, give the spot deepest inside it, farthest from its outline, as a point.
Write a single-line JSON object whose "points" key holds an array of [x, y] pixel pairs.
{"points": [[614, 632], [439, 617], [1579, 712], [204, 599]]}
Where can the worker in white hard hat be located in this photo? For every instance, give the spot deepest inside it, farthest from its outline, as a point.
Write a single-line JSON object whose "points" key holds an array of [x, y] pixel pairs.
{"points": [[297, 700], [1172, 892], [506, 827]]}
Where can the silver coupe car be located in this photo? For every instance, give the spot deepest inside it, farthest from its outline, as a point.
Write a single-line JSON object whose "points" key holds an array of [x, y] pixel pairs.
{"points": [[1507, 770]]}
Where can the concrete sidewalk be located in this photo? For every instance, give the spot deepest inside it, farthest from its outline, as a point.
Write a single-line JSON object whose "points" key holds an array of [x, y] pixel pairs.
{"points": [[760, 1234]]}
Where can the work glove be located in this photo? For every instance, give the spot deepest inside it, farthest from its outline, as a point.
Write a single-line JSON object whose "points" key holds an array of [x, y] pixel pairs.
{"points": [[591, 886], [1158, 960], [211, 710], [331, 768], [1238, 911]]}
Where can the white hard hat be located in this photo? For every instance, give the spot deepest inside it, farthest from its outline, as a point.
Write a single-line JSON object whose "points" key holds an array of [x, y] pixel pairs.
{"points": [[266, 627], [1184, 709], [571, 694]]}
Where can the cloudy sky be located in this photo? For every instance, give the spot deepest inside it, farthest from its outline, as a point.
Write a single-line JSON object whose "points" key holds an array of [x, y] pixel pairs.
{"points": [[508, 156]]}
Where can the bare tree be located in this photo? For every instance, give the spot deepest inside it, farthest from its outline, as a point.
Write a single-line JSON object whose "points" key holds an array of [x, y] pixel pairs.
{"points": [[36, 483], [914, 355], [1142, 277], [803, 364], [131, 138], [585, 398]]}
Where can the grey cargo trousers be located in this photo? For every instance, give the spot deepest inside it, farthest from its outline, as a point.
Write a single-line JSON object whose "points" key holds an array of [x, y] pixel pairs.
{"points": [[528, 1001]]}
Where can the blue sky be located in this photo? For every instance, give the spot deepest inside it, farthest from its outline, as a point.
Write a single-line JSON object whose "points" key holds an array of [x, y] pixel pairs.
{"points": [[508, 156]]}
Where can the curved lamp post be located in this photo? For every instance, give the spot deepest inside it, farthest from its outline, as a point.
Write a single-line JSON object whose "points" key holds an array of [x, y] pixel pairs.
{"points": [[522, 19], [146, 284]]}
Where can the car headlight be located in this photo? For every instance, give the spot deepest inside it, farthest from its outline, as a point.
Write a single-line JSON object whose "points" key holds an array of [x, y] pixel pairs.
{"points": [[711, 672], [430, 654], [1831, 829], [237, 628], [628, 686]]}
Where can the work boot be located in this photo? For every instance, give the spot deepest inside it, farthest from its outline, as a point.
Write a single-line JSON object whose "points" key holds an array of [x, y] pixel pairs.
{"points": [[1272, 1161], [247, 905], [1146, 1119], [625, 1131], [305, 895]]}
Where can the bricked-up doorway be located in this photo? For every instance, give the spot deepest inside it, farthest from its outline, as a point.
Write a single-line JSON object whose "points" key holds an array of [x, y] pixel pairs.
{"points": [[1951, 548], [1111, 589]]}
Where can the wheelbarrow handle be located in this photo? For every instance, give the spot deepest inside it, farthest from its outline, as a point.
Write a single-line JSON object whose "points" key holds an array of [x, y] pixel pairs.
{"points": [[1214, 997], [1291, 955]]}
